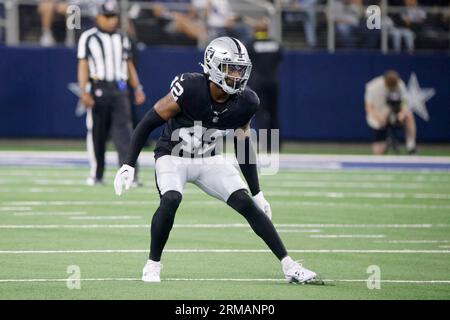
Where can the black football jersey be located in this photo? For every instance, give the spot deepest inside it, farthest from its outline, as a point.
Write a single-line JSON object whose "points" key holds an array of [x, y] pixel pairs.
{"points": [[202, 122]]}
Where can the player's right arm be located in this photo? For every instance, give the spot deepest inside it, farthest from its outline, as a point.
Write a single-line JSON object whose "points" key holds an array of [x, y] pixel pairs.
{"points": [[165, 109], [83, 80], [380, 117], [83, 71]]}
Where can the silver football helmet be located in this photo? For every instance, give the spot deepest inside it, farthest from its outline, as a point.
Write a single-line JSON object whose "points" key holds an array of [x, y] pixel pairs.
{"points": [[228, 64]]}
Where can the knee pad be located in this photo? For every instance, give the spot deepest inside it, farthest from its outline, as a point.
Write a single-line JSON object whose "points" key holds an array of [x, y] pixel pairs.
{"points": [[240, 200], [171, 200]]}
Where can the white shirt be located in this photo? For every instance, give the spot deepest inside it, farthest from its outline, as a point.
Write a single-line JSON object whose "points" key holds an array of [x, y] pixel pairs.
{"points": [[220, 12], [106, 53], [375, 95]]}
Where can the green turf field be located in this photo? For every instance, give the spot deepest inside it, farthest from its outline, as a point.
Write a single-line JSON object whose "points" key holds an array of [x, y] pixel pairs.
{"points": [[294, 147], [338, 222]]}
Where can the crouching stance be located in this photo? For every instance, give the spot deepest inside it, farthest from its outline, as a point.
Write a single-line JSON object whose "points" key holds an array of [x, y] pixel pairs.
{"points": [[199, 110]]}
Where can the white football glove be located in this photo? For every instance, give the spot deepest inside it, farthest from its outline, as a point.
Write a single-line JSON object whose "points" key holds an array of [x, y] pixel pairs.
{"points": [[262, 203], [124, 177]]}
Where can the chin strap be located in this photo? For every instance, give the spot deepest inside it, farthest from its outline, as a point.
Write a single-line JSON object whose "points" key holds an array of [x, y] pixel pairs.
{"points": [[203, 67]]}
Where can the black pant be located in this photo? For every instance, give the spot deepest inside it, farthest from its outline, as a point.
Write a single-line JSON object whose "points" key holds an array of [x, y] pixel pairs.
{"points": [[111, 117]]}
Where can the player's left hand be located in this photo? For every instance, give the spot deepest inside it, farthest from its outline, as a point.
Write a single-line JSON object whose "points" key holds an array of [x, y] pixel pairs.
{"points": [[124, 177], [262, 203], [139, 97]]}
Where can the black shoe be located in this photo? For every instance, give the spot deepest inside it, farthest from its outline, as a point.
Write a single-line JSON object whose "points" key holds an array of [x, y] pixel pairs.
{"points": [[94, 182], [412, 151], [137, 184]]}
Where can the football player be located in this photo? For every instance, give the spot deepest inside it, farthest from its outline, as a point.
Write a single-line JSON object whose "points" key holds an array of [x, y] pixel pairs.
{"points": [[196, 112]]}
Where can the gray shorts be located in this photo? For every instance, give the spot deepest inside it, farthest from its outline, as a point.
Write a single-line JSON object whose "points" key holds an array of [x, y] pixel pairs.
{"points": [[214, 175]]}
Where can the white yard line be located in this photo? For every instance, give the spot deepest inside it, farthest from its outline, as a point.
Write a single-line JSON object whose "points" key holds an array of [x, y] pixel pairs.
{"points": [[360, 236], [413, 241], [218, 225], [300, 176], [107, 218], [274, 192], [82, 203], [61, 213], [15, 208], [416, 206], [268, 182], [215, 202], [95, 251], [359, 195], [296, 230], [347, 185], [227, 280], [45, 182], [361, 205]]}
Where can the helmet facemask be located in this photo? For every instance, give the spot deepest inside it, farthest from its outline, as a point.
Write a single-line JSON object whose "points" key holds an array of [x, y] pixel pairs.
{"points": [[234, 76]]}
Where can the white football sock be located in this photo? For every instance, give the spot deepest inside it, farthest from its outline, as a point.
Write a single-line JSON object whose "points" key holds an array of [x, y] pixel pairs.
{"points": [[410, 144], [286, 261], [154, 262]]}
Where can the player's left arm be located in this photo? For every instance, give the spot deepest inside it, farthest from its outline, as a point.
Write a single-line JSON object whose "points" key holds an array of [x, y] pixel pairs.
{"points": [[139, 94], [247, 160]]}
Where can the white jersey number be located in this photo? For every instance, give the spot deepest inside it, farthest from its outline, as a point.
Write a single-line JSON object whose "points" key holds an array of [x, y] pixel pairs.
{"points": [[176, 88], [196, 140]]}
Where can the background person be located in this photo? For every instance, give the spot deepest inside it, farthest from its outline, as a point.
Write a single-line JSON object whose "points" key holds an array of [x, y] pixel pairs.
{"points": [[386, 108], [266, 55], [104, 68]]}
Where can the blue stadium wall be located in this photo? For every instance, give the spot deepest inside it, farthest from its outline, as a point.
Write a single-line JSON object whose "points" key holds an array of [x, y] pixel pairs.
{"points": [[321, 97]]}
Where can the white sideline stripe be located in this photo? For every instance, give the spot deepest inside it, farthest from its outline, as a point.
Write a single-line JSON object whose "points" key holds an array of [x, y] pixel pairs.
{"points": [[235, 225], [407, 251], [347, 236], [226, 280], [106, 218], [62, 213]]}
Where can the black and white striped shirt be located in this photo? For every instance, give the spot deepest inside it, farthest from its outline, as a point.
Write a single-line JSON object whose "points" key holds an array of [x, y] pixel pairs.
{"points": [[106, 53]]}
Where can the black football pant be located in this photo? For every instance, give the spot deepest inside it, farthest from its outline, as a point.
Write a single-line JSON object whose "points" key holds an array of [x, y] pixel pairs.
{"points": [[110, 117], [239, 200]]}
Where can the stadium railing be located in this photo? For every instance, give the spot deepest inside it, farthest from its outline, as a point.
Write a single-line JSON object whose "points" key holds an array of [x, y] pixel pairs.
{"points": [[288, 23]]}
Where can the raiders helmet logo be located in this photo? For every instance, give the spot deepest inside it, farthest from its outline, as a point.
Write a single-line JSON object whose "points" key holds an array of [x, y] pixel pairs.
{"points": [[209, 54]]}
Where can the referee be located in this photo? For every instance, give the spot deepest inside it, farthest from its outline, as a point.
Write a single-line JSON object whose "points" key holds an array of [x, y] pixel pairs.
{"points": [[266, 55], [104, 67]]}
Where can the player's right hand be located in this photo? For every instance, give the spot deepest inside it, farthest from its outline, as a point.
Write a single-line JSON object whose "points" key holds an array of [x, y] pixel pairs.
{"points": [[124, 178], [87, 100]]}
